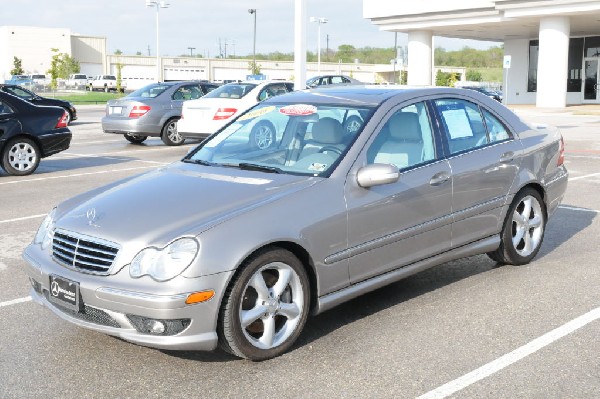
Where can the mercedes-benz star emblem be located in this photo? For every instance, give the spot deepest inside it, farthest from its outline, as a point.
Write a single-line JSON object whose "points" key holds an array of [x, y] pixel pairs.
{"points": [[91, 216], [54, 288]]}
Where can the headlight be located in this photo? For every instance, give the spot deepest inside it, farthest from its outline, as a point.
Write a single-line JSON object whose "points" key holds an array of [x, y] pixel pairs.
{"points": [[164, 264], [45, 233]]}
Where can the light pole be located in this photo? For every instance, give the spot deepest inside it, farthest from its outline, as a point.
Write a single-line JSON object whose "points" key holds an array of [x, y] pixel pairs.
{"points": [[191, 51], [253, 11], [158, 5], [319, 20]]}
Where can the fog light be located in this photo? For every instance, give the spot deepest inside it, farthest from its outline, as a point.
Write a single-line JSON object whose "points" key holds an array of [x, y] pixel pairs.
{"points": [[146, 325], [156, 327]]}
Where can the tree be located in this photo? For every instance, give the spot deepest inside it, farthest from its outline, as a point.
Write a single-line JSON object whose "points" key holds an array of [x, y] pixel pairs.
{"points": [[118, 52], [254, 68], [474, 75], [61, 66], [346, 53], [18, 67], [138, 53]]}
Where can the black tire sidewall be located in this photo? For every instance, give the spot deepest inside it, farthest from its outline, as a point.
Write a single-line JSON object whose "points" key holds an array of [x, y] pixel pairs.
{"points": [[165, 136], [135, 140], [5, 163], [230, 310]]}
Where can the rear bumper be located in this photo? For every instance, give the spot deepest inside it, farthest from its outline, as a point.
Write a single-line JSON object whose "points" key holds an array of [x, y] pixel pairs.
{"points": [[55, 142], [124, 125], [555, 189]]}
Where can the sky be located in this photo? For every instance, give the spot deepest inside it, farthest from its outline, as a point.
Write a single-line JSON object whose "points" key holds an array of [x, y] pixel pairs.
{"points": [[130, 26]]}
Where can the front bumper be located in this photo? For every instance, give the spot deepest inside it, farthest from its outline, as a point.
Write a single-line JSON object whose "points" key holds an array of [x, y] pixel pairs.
{"points": [[115, 304]]}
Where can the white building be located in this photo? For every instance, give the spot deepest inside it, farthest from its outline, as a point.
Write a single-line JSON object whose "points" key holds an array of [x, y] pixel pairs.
{"points": [[554, 45], [33, 46]]}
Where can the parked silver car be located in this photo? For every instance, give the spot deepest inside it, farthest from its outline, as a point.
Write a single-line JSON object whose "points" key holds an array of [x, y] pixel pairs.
{"points": [[263, 235], [152, 110]]}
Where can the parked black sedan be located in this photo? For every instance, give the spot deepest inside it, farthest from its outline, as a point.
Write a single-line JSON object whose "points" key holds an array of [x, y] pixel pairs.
{"points": [[28, 133], [33, 98]]}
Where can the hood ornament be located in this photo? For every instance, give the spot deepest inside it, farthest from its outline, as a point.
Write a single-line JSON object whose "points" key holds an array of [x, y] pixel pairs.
{"points": [[92, 217]]}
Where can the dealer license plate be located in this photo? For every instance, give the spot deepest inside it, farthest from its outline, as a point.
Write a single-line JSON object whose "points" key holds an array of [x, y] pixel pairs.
{"points": [[64, 292], [116, 110]]}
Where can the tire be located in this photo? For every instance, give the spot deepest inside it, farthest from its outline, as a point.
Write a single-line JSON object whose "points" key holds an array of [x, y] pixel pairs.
{"points": [[263, 135], [523, 231], [169, 134], [21, 156], [265, 307], [135, 138]]}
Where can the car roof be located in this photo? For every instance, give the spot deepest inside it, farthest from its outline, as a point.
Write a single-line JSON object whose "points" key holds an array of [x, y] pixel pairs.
{"points": [[367, 95]]}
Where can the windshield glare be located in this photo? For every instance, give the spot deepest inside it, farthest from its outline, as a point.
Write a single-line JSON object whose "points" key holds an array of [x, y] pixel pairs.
{"points": [[231, 90], [149, 91], [304, 139]]}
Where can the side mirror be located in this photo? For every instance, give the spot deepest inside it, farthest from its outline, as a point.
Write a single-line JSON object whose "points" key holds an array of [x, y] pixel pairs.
{"points": [[377, 174]]}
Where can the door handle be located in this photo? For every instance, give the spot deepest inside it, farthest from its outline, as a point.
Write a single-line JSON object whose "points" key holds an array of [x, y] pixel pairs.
{"points": [[507, 157], [439, 179]]}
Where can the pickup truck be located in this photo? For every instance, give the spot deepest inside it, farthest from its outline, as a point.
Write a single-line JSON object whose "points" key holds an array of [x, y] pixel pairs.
{"points": [[21, 80], [76, 81], [105, 83]]}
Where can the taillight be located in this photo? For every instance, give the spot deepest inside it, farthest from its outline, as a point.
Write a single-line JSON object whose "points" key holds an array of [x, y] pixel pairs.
{"points": [[561, 152], [62, 122], [139, 110], [224, 113]]}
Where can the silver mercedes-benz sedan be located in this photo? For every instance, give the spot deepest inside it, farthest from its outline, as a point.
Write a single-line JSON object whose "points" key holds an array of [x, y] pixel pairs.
{"points": [[152, 110], [270, 229]]}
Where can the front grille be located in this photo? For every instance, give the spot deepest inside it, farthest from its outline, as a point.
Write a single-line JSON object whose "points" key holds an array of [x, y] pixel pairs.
{"points": [[83, 253]]}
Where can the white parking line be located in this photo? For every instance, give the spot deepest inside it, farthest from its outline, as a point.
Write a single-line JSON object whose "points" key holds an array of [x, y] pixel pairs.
{"points": [[502, 362], [75, 175], [15, 301], [583, 177], [23, 218], [70, 154], [574, 208]]}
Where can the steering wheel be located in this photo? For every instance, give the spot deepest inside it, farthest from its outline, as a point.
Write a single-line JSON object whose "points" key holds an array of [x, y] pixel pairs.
{"points": [[330, 148]]}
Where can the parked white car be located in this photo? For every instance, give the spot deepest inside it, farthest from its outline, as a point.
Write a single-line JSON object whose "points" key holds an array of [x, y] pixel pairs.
{"points": [[204, 116]]}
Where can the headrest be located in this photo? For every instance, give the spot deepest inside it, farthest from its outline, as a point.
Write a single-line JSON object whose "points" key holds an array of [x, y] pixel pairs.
{"points": [[328, 131], [405, 126]]}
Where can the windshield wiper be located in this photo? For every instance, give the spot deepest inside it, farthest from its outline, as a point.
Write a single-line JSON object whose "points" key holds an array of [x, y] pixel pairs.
{"points": [[197, 162], [261, 168]]}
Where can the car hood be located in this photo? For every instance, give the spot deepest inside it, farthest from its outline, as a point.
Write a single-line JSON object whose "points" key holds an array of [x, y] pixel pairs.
{"points": [[177, 200]]}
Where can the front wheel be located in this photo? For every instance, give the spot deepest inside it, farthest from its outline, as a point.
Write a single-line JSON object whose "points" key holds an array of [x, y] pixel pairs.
{"points": [[21, 157], [265, 307], [135, 138], [523, 231], [170, 135]]}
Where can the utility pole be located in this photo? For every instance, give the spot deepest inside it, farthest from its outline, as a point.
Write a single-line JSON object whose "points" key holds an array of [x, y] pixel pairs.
{"points": [[148, 50], [191, 51], [327, 53]]}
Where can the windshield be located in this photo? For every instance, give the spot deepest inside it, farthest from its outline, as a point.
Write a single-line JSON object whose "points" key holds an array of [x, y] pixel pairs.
{"points": [[305, 139], [150, 91], [231, 90]]}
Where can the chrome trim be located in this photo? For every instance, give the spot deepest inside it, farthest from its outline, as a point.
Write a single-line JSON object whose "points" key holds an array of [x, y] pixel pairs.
{"points": [[72, 249]]}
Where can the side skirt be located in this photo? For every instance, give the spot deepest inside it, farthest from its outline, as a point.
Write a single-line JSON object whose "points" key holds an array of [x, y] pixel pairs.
{"points": [[329, 301]]}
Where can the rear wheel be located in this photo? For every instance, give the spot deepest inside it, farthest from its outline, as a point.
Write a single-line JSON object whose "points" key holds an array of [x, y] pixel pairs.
{"points": [[266, 306], [135, 138], [523, 231], [21, 156], [170, 135]]}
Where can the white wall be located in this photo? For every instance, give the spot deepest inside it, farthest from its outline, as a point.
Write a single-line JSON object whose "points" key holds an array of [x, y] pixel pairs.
{"points": [[518, 72]]}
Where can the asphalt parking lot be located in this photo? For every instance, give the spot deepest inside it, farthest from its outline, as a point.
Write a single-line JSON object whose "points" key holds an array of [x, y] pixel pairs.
{"points": [[467, 329]]}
